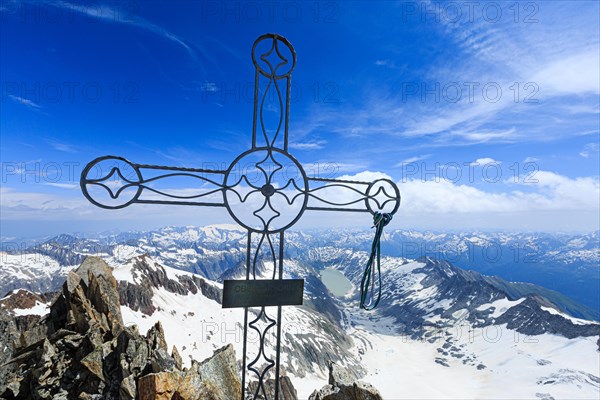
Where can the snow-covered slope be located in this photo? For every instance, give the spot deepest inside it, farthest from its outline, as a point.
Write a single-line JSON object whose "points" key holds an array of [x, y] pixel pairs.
{"points": [[496, 363], [442, 332], [458, 339], [31, 270]]}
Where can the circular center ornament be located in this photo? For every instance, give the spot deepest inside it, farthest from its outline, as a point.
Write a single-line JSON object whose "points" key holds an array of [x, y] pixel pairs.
{"points": [[265, 190]]}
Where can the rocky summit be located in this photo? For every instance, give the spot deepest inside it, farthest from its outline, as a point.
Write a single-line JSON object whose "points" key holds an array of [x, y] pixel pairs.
{"points": [[342, 387], [83, 350]]}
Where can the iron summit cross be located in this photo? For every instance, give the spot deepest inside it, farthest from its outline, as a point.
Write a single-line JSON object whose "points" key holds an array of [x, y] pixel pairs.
{"points": [[265, 190]]}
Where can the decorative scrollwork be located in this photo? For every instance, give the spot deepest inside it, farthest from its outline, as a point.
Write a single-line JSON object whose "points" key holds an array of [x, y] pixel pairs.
{"points": [[262, 370]]}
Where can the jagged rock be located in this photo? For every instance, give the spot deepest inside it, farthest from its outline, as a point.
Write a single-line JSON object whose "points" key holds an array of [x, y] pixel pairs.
{"points": [[159, 386], [128, 388], [338, 376], [136, 297], [288, 391], [341, 387], [326, 392], [156, 335], [162, 361], [103, 292], [11, 328], [216, 376], [93, 362], [82, 349], [177, 357]]}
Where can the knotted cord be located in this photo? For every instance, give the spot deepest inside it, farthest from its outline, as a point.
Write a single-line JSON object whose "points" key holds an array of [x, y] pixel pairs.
{"points": [[368, 280]]}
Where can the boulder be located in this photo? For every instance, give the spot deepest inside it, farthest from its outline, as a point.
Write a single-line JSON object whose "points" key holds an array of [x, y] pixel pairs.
{"points": [[159, 386], [342, 387], [214, 378]]}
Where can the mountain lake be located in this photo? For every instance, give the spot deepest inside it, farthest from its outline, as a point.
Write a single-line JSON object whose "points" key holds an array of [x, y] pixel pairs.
{"points": [[335, 281]]}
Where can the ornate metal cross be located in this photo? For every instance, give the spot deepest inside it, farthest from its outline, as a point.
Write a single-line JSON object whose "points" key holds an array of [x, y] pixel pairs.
{"points": [[265, 190]]}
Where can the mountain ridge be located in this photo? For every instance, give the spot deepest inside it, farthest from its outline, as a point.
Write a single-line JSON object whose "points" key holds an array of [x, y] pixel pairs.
{"points": [[212, 250], [425, 304]]}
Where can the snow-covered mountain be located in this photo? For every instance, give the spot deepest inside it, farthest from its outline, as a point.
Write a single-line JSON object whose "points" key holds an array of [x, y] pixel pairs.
{"points": [[436, 322], [567, 263], [474, 336]]}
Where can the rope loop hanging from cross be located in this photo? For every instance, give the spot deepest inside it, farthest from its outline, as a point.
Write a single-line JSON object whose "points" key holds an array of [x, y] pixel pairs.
{"points": [[266, 191]]}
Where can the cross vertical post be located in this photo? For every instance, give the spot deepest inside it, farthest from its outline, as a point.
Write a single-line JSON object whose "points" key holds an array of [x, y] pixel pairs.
{"points": [[265, 190]]}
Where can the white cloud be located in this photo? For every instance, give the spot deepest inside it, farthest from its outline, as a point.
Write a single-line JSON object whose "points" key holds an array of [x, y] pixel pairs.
{"points": [[577, 74], [331, 169], [589, 149], [484, 161], [550, 202], [477, 135], [366, 176], [388, 63], [554, 203], [30, 205], [552, 192]]}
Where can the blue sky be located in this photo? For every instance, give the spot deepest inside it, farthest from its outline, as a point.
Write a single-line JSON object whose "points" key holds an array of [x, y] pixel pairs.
{"points": [[486, 114]]}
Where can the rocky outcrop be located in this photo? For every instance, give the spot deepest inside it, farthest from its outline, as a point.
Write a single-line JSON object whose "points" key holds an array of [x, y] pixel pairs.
{"points": [[214, 378], [82, 349], [22, 299], [11, 325], [342, 387], [148, 275]]}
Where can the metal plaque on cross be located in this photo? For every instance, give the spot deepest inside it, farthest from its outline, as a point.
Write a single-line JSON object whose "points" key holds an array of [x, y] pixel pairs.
{"points": [[265, 190]]}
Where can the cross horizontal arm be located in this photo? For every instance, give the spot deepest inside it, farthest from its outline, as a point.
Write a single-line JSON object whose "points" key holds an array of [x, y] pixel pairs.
{"points": [[381, 195], [114, 182]]}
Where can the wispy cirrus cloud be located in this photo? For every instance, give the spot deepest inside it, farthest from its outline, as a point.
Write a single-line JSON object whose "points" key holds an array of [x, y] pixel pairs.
{"points": [[70, 186], [109, 14], [26, 102], [62, 146], [518, 80], [412, 160], [589, 149], [310, 145]]}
